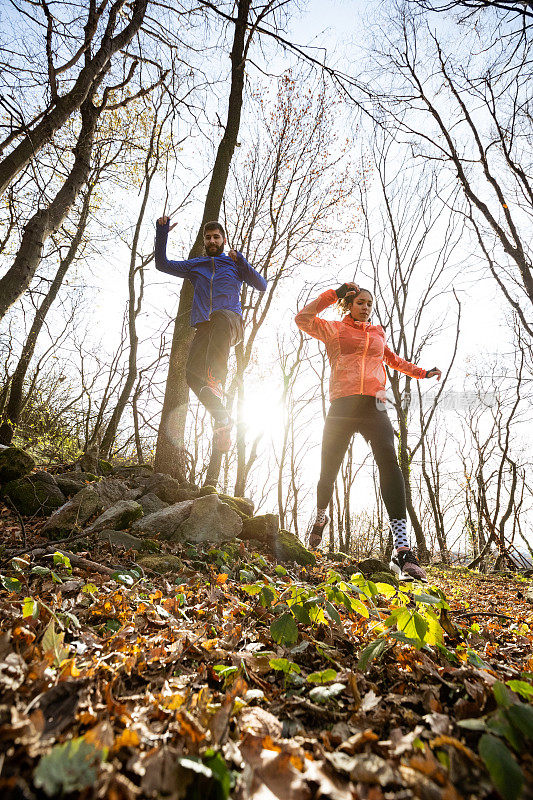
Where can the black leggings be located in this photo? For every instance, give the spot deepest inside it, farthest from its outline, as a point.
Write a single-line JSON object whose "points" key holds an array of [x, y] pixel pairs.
{"points": [[208, 359], [361, 414]]}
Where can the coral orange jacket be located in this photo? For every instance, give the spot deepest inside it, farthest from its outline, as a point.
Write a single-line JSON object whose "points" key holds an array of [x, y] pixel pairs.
{"points": [[356, 350]]}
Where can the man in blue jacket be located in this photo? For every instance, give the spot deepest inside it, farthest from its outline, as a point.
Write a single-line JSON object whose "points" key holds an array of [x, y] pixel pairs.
{"points": [[216, 314]]}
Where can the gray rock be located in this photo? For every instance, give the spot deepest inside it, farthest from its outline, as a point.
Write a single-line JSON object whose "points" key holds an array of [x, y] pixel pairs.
{"points": [[75, 512], [121, 539], [166, 488], [287, 547], [369, 566], [35, 494], [264, 528], [134, 494], [529, 595], [110, 491], [210, 520], [14, 463], [117, 517], [243, 506], [151, 503], [164, 522], [72, 482]]}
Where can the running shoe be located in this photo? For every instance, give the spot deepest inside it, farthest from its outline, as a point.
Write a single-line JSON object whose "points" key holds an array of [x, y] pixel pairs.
{"points": [[406, 565], [222, 437], [315, 534]]}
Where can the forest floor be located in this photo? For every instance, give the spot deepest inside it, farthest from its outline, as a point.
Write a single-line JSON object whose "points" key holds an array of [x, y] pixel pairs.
{"points": [[241, 677]]}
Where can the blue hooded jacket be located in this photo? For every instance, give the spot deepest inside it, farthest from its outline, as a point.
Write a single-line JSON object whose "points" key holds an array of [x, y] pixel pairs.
{"points": [[217, 281]]}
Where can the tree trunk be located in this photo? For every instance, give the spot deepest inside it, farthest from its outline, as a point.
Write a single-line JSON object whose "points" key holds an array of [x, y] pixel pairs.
{"points": [[15, 402], [169, 456], [17, 279], [69, 103]]}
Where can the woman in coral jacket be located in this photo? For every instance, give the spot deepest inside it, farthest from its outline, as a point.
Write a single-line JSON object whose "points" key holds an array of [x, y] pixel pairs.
{"points": [[357, 352]]}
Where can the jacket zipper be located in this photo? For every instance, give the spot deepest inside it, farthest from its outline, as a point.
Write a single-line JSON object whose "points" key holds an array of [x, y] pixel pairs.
{"points": [[363, 361], [213, 268]]}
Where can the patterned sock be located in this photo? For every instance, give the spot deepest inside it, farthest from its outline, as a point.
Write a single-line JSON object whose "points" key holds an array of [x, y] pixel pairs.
{"points": [[399, 532], [320, 516]]}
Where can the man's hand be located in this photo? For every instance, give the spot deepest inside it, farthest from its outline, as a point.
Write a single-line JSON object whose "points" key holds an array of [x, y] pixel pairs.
{"points": [[164, 220], [233, 254], [434, 372]]}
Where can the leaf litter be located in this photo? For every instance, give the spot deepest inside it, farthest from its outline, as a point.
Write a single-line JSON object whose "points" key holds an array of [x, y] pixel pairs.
{"points": [[240, 677]]}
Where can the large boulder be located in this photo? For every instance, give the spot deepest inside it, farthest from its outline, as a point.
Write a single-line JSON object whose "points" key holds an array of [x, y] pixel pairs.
{"points": [[371, 566], [287, 547], [210, 520], [122, 539], [117, 517], [72, 482], [35, 494], [14, 463], [165, 522], [264, 528], [74, 513], [243, 507], [166, 488], [133, 472], [150, 503], [110, 491]]}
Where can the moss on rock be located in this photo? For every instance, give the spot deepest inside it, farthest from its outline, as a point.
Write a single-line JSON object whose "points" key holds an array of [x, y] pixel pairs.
{"points": [[385, 577], [163, 563], [287, 547], [205, 490], [369, 566], [34, 494], [243, 507], [264, 528], [14, 463]]}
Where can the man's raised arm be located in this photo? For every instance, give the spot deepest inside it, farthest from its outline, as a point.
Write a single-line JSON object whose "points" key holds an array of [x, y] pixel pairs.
{"points": [[162, 263]]}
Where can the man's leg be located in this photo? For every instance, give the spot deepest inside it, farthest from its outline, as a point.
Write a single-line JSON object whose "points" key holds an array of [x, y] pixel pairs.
{"points": [[338, 430], [195, 372], [377, 430], [216, 367]]}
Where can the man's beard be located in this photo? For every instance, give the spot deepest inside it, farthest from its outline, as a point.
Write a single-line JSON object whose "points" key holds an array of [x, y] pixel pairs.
{"points": [[213, 251]]}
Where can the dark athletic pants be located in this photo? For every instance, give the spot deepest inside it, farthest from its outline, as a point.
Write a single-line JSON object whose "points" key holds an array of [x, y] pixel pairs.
{"points": [[208, 358], [361, 414]]}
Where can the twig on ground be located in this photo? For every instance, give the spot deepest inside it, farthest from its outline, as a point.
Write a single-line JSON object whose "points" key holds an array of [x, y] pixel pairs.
{"points": [[71, 538], [481, 614], [79, 561]]}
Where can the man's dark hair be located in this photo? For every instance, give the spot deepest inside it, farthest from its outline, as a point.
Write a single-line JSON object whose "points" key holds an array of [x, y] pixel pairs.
{"points": [[214, 226]]}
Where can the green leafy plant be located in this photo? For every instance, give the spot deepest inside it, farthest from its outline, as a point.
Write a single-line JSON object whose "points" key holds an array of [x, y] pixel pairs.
{"points": [[506, 731], [324, 676]]}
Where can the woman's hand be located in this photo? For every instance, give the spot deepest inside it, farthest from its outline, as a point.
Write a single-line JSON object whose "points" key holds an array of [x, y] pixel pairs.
{"points": [[347, 290], [434, 372]]}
